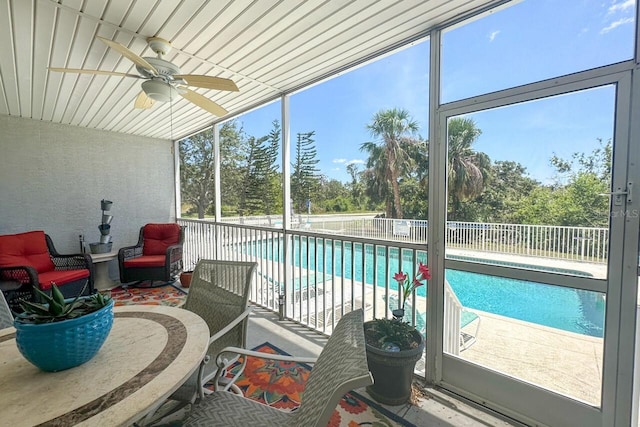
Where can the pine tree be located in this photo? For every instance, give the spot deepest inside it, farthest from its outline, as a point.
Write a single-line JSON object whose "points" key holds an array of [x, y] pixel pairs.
{"points": [[261, 192], [304, 178]]}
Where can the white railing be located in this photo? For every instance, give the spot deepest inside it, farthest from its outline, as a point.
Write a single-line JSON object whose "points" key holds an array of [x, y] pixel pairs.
{"points": [[309, 277], [314, 278], [548, 241], [560, 242], [587, 244]]}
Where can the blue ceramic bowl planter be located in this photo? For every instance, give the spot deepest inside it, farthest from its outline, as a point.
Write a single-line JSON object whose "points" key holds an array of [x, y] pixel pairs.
{"points": [[62, 345]]}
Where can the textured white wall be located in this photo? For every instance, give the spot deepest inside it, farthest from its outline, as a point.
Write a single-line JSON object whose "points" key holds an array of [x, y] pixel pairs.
{"points": [[52, 178]]}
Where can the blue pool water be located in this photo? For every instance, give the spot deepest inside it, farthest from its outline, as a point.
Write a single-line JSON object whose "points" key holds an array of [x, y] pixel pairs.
{"points": [[554, 306]]}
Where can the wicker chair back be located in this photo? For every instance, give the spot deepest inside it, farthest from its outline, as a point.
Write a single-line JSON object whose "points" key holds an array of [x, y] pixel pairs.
{"points": [[6, 318], [219, 293], [341, 367]]}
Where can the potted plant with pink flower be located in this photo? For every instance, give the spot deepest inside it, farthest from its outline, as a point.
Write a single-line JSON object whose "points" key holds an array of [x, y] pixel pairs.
{"points": [[408, 287], [394, 346]]}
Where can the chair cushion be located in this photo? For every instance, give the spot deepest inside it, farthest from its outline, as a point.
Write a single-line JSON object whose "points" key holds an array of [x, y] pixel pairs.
{"points": [[61, 277], [145, 261], [158, 237], [25, 249]]}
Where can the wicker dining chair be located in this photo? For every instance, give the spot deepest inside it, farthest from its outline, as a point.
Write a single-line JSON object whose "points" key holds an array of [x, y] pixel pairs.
{"points": [[6, 318], [340, 368], [219, 293]]}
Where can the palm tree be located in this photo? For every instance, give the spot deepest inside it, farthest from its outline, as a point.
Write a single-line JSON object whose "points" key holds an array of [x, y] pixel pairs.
{"points": [[468, 169], [393, 128], [375, 176]]}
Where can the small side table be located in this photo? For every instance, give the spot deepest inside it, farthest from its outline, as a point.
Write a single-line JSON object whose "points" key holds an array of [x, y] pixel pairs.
{"points": [[101, 262]]}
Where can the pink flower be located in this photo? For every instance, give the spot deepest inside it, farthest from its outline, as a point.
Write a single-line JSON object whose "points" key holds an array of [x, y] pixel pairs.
{"points": [[409, 286], [423, 272], [400, 277]]}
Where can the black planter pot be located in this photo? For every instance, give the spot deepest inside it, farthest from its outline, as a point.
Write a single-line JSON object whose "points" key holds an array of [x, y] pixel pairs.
{"points": [[393, 372]]}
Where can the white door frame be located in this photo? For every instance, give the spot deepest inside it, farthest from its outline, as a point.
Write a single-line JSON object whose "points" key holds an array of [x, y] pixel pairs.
{"points": [[523, 401]]}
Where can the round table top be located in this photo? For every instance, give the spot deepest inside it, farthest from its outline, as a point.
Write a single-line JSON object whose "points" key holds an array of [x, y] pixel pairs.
{"points": [[149, 353]]}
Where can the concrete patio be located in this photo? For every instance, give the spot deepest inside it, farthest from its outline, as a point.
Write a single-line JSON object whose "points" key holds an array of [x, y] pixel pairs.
{"points": [[564, 362]]}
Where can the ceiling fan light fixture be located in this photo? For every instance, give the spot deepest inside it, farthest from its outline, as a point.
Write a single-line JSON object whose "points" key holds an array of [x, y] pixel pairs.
{"points": [[159, 91], [162, 77]]}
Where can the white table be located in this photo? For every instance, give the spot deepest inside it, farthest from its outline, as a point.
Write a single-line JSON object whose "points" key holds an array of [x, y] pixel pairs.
{"points": [[149, 353], [102, 281]]}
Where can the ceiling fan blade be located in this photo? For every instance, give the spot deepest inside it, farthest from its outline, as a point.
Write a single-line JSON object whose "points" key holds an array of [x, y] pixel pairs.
{"points": [[143, 102], [208, 82], [202, 102], [128, 54], [105, 73]]}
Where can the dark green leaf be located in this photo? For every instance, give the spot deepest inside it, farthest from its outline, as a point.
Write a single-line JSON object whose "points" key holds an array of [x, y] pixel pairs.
{"points": [[56, 294]]}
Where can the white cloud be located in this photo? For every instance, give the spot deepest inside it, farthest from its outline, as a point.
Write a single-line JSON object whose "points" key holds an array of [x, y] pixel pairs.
{"points": [[616, 24], [493, 35], [627, 4], [621, 11], [348, 162]]}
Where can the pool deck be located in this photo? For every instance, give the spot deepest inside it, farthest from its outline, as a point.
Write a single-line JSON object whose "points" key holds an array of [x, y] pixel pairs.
{"points": [[564, 362], [597, 270]]}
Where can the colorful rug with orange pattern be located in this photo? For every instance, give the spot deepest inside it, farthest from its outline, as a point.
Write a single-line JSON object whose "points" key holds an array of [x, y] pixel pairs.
{"points": [[162, 295], [281, 385], [274, 383]]}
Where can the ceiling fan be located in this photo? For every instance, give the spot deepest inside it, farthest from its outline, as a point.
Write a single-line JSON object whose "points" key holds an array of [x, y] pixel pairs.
{"points": [[163, 80]]}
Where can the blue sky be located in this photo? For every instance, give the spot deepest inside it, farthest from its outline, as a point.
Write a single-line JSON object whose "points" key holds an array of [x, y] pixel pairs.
{"points": [[529, 41]]}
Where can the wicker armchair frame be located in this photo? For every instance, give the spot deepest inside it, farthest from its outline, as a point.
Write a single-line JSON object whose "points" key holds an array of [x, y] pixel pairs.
{"points": [[17, 282], [168, 272]]}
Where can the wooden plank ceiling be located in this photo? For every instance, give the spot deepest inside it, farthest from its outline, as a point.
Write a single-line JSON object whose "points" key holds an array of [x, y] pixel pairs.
{"points": [[268, 47]]}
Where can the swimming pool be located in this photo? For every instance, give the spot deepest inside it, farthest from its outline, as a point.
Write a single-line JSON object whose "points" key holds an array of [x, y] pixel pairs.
{"points": [[568, 309]]}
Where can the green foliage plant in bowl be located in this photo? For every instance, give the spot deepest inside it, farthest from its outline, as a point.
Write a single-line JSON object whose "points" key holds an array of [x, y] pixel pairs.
{"points": [[59, 334], [394, 347], [391, 335]]}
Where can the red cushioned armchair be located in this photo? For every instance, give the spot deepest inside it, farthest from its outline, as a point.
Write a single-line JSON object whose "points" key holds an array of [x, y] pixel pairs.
{"points": [[156, 256], [30, 259]]}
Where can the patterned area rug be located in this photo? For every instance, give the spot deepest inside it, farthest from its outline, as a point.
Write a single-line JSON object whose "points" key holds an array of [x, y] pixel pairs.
{"points": [[274, 383], [281, 385], [163, 295]]}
